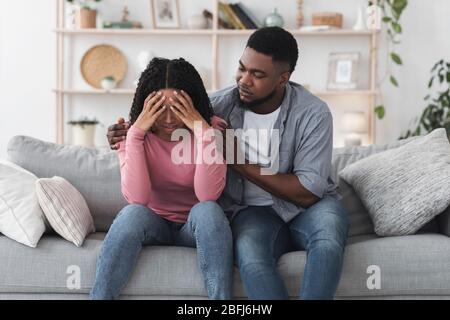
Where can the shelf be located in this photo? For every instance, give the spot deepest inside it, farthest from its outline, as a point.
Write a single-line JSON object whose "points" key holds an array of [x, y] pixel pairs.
{"points": [[204, 32], [136, 32], [339, 32], [216, 37], [132, 91], [96, 91]]}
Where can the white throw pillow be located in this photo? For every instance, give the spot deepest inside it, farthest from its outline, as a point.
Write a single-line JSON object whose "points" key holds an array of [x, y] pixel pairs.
{"points": [[65, 209], [406, 187], [21, 217]]}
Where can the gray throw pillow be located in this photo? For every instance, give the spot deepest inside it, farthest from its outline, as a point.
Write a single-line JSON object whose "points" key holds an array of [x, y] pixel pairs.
{"points": [[359, 220], [406, 187]]}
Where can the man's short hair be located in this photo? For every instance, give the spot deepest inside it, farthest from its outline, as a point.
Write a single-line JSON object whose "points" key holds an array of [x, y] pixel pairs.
{"points": [[277, 43]]}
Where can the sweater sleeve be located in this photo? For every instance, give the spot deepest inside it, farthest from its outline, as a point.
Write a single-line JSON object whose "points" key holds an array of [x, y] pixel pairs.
{"points": [[210, 169], [135, 178]]}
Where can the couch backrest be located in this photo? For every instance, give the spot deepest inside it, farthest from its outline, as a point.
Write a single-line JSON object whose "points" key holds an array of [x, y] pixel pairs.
{"points": [[96, 175]]}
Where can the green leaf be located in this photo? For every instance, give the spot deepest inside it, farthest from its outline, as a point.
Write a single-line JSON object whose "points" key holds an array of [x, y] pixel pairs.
{"points": [[448, 76], [399, 5], [430, 84], [394, 81], [426, 97], [396, 58], [387, 19], [380, 111], [397, 28]]}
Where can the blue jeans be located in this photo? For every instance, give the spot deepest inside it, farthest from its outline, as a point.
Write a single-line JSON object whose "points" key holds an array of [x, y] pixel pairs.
{"points": [[261, 237], [206, 229]]}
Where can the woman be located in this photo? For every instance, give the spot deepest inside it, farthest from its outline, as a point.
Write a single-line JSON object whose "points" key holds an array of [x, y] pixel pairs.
{"points": [[169, 203]]}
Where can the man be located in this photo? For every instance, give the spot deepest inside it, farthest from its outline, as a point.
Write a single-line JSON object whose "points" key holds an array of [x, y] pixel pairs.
{"points": [[295, 208]]}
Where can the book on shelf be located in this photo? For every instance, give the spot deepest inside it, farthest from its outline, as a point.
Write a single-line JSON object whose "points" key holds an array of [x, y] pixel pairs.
{"points": [[246, 21], [222, 23], [250, 15], [230, 16]]}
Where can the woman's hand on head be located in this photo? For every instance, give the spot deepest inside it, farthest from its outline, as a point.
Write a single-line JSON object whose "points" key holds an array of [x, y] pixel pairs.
{"points": [[184, 108], [152, 109]]}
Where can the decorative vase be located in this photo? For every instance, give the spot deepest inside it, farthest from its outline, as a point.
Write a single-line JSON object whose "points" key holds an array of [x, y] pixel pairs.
{"points": [[197, 22], [274, 20], [373, 21], [71, 12], [359, 24], [83, 135], [86, 18]]}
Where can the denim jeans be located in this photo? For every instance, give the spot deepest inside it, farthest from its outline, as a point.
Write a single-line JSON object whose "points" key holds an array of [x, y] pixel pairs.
{"points": [[261, 237], [206, 229]]}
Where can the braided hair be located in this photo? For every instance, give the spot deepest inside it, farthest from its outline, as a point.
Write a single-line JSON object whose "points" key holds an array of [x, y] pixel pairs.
{"points": [[178, 74]]}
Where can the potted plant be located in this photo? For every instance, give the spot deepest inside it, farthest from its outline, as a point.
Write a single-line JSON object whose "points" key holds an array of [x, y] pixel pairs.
{"points": [[83, 131], [108, 83], [86, 13], [437, 113]]}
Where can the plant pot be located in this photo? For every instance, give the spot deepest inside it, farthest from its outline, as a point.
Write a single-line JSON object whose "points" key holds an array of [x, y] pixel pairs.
{"points": [[108, 84], [86, 18], [83, 135]]}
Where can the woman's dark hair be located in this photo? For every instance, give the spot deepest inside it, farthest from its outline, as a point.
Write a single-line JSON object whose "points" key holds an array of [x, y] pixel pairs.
{"points": [[177, 74]]}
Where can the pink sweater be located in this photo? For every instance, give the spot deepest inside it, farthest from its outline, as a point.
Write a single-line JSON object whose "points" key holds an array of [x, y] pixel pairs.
{"points": [[149, 177]]}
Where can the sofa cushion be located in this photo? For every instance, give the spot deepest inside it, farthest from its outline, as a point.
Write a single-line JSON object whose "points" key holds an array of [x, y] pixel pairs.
{"points": [[404, 188], [65, 209], [21, 217], [359, 219], [93, 172], [408, 265]]}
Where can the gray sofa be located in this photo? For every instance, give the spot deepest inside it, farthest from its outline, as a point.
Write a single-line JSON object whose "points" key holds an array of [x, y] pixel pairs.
{"points": [[410, 267]]}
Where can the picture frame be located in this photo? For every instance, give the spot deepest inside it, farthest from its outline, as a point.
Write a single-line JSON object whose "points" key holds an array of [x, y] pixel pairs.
{"points": [[165, 14], [343, 71]]}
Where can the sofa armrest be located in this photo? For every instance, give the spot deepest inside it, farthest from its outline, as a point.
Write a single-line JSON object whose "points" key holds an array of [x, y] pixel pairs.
{"points": [[444, 222]]}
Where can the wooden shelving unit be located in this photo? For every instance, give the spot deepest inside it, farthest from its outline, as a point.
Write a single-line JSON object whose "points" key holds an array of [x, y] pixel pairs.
{"points": [[215, 34]]}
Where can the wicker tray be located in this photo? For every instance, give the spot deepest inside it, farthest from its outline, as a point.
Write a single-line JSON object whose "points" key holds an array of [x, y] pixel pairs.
{"points": [[101, 61]]}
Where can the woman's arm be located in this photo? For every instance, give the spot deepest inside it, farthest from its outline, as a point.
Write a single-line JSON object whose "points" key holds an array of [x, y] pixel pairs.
{"points": [[135, 178], [210, 169]]}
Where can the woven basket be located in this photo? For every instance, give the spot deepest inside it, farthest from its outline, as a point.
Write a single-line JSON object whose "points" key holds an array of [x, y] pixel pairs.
{"points": [[333, 19], [102, 61]]}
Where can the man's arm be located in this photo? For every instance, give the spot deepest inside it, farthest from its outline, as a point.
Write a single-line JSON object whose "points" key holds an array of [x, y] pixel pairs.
{"points": [[311, 166], [282, 185]]}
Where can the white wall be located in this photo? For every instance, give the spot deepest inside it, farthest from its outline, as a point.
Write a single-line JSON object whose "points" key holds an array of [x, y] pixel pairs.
{"points": [[27, 61], [27, 71]]}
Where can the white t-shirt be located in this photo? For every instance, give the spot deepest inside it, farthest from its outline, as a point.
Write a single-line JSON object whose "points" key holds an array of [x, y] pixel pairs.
{"points": [[258, 130]]}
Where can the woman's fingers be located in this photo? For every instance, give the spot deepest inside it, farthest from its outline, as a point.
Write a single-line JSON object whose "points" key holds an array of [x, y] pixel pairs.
{"points": [[180, 108], [158, 113], [187, 97], [178, 113], [150, 96], [152, 100], [156, 107], [183, 100]]}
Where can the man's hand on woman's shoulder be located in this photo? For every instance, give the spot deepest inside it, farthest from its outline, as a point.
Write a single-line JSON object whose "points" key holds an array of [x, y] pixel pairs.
{"points": [[117, 133]]}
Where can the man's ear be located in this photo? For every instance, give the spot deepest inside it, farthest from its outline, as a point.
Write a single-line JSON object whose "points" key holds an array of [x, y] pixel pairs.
{"points": [[284, 78]]}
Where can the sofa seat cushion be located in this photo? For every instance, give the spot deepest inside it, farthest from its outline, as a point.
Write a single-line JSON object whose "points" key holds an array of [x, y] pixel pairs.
{"points": [[409, 265]]}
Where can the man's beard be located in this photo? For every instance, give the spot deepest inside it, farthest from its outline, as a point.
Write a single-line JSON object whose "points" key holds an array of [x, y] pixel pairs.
{"points": [[257, 102]]}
